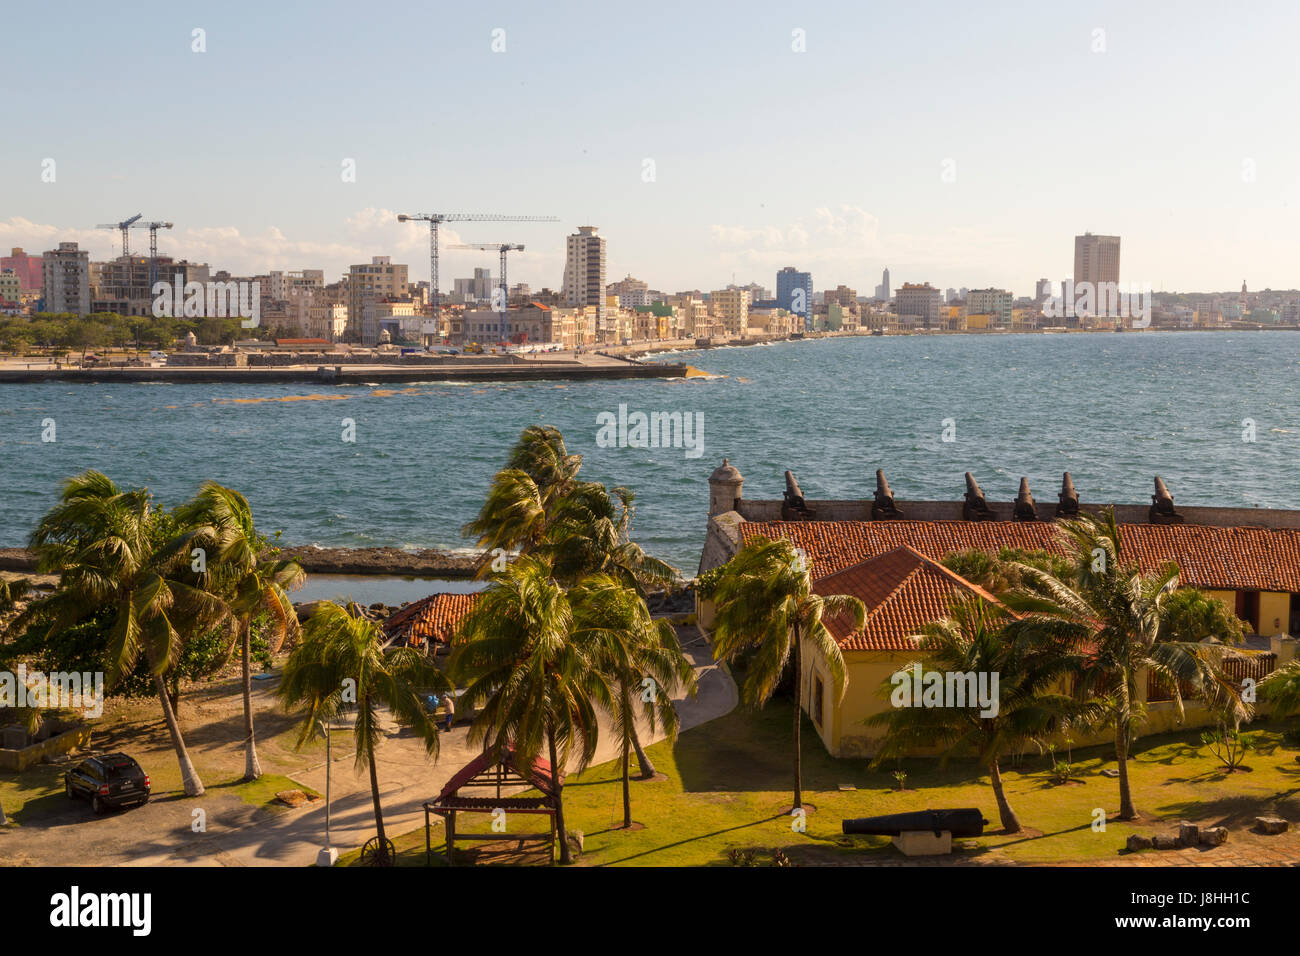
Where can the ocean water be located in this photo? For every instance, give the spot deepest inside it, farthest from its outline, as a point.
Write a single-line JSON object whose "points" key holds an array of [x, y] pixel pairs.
{"points": [[1112, 409]]}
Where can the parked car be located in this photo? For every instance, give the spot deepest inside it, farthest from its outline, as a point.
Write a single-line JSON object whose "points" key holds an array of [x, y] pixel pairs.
{"points": [[111, 780], [157, 356]]}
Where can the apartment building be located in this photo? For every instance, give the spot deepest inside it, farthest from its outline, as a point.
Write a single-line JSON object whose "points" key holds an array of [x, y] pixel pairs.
{"points": [[584, 272], [65, 279], [381, 279], [918, 305]]}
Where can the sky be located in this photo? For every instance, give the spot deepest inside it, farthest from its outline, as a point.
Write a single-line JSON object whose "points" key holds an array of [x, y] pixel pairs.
{"points": [[710, 142]]}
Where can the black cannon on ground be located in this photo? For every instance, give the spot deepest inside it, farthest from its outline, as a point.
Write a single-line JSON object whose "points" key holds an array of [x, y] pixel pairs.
{"points": [[966, 822]]}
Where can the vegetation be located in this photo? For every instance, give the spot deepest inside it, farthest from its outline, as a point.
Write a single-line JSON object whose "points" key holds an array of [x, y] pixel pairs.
{"points": [[983, 639], [64, 331], [232, 558], [1124, 623], [108, 546], [344, 668], [767, 611]]}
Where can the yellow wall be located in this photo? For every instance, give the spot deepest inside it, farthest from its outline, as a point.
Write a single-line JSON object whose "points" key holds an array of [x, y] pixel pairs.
{"points": [[845, 734], [979, 320]]}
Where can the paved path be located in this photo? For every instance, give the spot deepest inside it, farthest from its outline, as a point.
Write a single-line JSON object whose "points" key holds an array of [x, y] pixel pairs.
{"points": [[407, 778]]}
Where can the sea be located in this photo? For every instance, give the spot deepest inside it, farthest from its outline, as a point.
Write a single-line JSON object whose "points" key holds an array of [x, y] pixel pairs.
{"points": [[1216, 414]]}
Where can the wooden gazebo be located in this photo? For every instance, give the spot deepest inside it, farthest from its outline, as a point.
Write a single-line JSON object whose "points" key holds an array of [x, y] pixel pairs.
{"points": [[485, 772]]}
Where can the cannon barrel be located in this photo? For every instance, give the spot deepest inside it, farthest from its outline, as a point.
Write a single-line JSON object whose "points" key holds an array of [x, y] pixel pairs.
{"points": [[965, 822]]}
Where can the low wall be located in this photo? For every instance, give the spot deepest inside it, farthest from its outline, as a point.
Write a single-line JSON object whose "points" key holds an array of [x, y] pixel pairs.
{"points": [[860, 510], [19, 760]]}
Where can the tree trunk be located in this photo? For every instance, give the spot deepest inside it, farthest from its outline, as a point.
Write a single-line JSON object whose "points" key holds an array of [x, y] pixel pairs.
{"points": [[1126, 809], [642, 760], [252, 767], [189, 776], [381, 855], [565, 857], [627, 788], [1008, 816], [798, 706], [4, 820]]}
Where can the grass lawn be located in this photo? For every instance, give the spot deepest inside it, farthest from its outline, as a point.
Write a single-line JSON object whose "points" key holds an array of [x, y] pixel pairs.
{"points": [[728, 787]]}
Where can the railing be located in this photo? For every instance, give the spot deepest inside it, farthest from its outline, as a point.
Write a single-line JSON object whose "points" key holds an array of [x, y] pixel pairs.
{"points": [[1238, 669]]}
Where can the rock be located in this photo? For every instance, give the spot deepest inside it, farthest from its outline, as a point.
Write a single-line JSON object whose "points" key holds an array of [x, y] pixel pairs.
{"points": [[1165, 841], [1189, 834], [576, 840], [1271, 825], [1137, 842], [1214, 836], [292, 798]]}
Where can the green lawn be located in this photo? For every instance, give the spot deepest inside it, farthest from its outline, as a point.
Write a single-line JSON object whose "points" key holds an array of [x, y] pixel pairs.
{"points": [[728, 787]]}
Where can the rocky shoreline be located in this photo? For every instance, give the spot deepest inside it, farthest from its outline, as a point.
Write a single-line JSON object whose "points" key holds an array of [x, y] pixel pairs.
{"points": [[429, 562]]}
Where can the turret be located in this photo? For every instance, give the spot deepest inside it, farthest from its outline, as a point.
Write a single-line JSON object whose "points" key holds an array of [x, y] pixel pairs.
{"points": [[725, 486]]}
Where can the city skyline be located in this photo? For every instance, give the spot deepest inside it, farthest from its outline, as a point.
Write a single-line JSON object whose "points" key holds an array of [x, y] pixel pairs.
{"points": [[963, 184]]}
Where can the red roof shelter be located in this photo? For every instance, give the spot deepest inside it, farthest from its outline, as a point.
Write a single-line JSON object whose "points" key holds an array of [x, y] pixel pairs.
{"points": [[485, 772]]}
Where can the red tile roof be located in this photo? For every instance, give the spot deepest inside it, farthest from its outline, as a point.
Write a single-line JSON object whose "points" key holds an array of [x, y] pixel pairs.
{"points": [[539, 775], [1233, 559], [434, 618], [903, 591]]}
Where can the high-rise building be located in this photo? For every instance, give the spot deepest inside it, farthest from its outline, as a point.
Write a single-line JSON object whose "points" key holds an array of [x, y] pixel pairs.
{"points": [[584, 272], [1042, 290], [919, 305], [381, 279], [1096, 258], [882, 290], [27, 268], [10, 289], [122, 285], [788, 280], [65, 274]]}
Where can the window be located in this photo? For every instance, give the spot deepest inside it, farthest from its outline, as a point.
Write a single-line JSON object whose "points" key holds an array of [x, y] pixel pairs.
{"points": [[818, 701]]}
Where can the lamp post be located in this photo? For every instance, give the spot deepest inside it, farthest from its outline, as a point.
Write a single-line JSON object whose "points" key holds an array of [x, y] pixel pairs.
{"points": [[329, 855]]}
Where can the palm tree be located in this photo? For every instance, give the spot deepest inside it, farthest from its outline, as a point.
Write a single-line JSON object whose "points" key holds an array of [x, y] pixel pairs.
{"points": [[1123, 616], [1282, 689], [221, 523], [104, 544], [534, 672], [590, 534], [517, 509], [766, 604], [640, 655], [343, 662], [983, 639]]}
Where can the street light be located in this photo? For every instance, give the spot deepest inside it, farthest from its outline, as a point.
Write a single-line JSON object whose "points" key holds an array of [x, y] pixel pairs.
{"points": [[329, 855]]}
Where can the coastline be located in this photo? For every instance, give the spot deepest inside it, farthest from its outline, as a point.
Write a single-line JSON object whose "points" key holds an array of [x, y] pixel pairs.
{"points": [[429, 562], [593, 368]]}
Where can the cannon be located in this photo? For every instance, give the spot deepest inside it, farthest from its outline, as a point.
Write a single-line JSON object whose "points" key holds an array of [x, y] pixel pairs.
{"points": [[966, 822]]}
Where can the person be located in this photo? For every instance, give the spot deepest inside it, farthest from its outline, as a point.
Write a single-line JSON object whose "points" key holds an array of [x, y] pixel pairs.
{"points": [[450, 703]]}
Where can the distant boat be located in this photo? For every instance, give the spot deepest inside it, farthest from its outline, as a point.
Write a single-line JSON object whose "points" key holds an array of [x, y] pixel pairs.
{"points": [[877, 331]]}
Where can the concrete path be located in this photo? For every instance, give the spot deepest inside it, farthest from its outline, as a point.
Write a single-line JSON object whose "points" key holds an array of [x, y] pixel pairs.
{"points": [[244, 837]]}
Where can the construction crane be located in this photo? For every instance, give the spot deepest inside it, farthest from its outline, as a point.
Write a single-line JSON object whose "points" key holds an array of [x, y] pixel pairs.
{"points": [[434, 219], [153, 228], [502, 248], [125, 225]]}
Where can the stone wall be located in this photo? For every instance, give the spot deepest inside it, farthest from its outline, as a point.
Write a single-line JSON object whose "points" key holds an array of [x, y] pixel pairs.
{"points": [[69, 740]]}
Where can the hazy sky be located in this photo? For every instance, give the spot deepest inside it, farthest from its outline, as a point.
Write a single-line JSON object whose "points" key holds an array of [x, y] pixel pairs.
{"points": [[1178, 137]]}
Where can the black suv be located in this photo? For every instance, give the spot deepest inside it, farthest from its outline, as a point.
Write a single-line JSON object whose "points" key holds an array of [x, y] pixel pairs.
{"points": [[113, 780]]}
